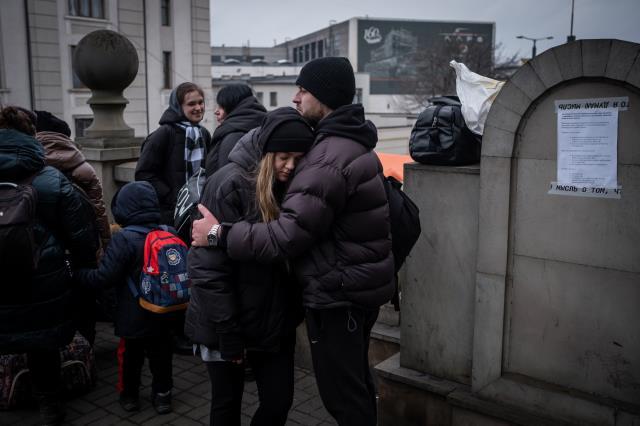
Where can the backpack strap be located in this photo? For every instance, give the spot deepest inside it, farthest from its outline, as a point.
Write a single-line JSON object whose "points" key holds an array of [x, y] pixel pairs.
{"points": [[140, 230]]}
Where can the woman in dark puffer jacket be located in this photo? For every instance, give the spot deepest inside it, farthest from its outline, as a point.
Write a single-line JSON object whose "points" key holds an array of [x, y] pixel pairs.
{"points": [[35, 306], [238, 112], [177, 149], [250, 306]]}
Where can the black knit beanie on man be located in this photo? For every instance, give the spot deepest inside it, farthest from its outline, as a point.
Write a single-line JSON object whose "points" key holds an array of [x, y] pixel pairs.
{"points": [[330, 80], [284, 130], [47, 122]]}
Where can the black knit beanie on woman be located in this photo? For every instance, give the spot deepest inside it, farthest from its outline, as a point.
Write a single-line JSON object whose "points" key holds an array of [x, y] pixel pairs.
{"points": [[330, 80], [285, 130]]}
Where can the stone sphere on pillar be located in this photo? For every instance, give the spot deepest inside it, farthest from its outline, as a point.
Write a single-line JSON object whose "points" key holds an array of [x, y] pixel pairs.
{"points": [[106, 62]]}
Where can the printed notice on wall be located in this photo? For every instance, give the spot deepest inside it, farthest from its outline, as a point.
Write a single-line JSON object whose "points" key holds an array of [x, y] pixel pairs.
{"points": [[588, 147]]}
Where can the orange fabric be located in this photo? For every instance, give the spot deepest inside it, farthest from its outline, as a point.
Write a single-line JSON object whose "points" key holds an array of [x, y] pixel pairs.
{"points": [[393, 164]]}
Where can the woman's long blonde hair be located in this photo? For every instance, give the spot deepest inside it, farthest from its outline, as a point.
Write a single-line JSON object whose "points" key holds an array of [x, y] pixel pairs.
{"points": [[265, 179]]}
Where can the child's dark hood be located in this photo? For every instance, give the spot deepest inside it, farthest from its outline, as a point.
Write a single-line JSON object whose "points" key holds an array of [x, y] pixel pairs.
{"points": [[136, 203], [246, 116], [348, 122]]}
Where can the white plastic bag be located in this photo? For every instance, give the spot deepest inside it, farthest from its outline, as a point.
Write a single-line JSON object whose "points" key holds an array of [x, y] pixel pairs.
{"points": [[476, 95]]}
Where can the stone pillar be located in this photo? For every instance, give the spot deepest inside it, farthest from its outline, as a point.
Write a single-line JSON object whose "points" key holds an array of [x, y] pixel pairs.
{"points": [[106, 62]]}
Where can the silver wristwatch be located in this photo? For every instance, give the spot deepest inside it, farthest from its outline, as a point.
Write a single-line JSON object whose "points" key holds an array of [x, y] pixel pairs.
{"points": [[212, 236]]}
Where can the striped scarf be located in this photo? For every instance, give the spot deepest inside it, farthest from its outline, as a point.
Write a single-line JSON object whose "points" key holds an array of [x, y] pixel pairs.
{"points": [[193, 148]]}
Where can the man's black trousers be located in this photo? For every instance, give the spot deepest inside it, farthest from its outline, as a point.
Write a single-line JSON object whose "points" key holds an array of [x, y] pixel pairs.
{"points": [[339, 340]]}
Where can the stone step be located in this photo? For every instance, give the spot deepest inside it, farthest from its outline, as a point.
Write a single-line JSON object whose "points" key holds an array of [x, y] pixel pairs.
{"points": [[384, 343]]}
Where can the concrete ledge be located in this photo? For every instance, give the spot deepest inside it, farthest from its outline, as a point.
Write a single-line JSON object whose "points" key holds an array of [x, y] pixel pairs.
{"points": [[569, 58], [472, 169], [633, 77], [503, 118], [386, 333], [391, 369], [125, 172], [497, 142], [595, 55], [528, 81], [111, 154], [511, 97], [547, 68], [621, 58], [556, 403], [409, 397]]}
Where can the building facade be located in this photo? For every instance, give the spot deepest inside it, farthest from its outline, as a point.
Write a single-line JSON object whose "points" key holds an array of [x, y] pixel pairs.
{"points": [[392, 58], [38, 37]]}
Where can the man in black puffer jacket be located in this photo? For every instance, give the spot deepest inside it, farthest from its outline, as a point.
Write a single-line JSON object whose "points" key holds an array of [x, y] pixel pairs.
{"points": [[35, 308], [334, 226]]}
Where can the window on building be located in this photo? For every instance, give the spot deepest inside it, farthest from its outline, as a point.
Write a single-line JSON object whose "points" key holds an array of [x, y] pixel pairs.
{"points": [[166, 70], [77, 84], [320, 49], [81, 125], [260, 96], [295, 54], [165, 12], [87, 8], [313, 50], [273, 99], [306, 52]]}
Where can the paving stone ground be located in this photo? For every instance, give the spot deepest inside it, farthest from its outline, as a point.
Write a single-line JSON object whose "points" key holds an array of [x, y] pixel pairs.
{"points": [[191, 396]]}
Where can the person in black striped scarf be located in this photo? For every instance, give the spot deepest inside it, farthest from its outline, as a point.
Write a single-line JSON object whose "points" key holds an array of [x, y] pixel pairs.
{"points": [[177, 149]]}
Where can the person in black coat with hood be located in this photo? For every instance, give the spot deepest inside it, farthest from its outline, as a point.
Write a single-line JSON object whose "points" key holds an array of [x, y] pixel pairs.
{"points": [[177, 149], [36, 303], [238, 112], [141, 331], [252, 306]]}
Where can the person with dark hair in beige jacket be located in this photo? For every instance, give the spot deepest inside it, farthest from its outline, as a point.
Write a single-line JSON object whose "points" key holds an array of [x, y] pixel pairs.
{"points": [[62, 153]]}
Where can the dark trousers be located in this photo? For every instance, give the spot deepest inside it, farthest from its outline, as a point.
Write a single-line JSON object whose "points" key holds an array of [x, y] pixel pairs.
{"points": [[131, 355], [274, 378], [339, 340], [44, 366]]}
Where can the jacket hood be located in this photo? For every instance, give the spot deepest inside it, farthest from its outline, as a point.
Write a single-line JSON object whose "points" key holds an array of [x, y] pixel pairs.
{"points": [[174, 113], [136, 203], [348, 121], [246, 116], [247, 151], [21, 155], [60, 151]]}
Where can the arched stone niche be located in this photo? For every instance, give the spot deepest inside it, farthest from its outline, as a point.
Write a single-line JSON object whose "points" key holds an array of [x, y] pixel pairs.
{"points": [[557, 311]]}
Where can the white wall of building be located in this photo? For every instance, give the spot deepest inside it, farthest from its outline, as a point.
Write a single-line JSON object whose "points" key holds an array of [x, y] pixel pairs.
{"points": [[53, 31], [14, 81], [237, 70]]}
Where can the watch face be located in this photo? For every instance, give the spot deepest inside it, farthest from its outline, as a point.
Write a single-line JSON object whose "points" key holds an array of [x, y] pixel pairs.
{"points": [[211, 239]]}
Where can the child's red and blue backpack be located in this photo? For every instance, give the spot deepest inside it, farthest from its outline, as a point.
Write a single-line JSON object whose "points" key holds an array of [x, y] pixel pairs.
{"points": [[164, 280]]}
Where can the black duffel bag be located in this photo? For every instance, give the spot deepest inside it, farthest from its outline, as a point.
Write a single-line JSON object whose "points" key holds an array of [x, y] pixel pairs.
{"points": [[441, 136]]}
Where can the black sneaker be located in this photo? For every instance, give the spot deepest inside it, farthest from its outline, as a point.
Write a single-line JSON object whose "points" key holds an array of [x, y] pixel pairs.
{"points": [[161, 401], [129, 403]]}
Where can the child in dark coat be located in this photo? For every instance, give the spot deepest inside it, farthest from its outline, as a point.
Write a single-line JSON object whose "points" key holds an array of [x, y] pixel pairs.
{"points": [[141, 332]]}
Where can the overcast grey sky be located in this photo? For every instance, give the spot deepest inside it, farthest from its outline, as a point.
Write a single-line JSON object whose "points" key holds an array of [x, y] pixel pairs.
{"points": [[233, 22]]}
